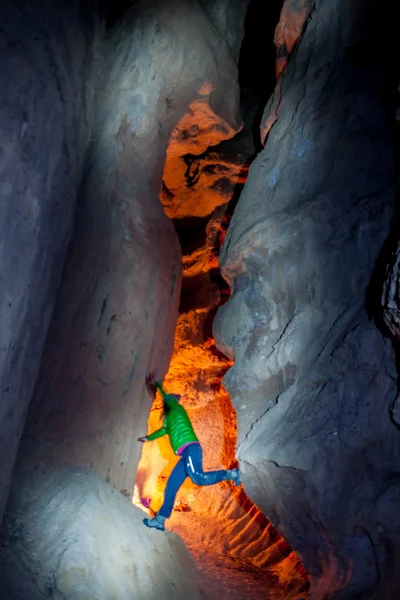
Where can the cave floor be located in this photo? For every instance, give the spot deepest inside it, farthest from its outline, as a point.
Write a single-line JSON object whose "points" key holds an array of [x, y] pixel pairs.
{"points": [[221, 574], [224, 575], [221, 577]]}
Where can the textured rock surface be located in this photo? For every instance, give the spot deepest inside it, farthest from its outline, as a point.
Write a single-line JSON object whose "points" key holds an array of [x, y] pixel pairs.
{"points": [[182, 193], [293, 17], [196, 366], [227, 16], [49, 61], [313, 378], [76, 537], [165, 71], [117, 306], [391, 313], [237, 551]]}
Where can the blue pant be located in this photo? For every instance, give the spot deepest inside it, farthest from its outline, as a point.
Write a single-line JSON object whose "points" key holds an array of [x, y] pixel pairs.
{"points": [[189, 465]]}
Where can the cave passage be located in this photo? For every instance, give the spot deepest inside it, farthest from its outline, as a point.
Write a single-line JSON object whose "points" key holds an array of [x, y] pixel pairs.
{"points": [[205, 189], [219, 524]]}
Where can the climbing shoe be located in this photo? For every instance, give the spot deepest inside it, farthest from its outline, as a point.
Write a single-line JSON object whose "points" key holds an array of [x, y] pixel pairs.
{"points": [[157, 522], [234, 475]]}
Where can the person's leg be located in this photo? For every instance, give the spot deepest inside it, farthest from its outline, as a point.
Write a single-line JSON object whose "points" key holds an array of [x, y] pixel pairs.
{"points": [[193, 462], [175, 480]]}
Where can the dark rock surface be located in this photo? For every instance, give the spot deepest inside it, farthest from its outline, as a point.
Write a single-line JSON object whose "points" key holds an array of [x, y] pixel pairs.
{"points": [[391, 313], [292, 21], [49, 67], [313, 378], [227, 16]]}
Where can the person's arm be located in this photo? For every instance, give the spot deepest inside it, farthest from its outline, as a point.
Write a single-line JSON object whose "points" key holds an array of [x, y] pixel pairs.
{"points": [[153, 385], [158, 385], [156, 434]]}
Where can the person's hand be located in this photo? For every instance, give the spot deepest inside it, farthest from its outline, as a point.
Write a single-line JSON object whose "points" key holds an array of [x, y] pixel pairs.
{"points": [[142, 439], [150, 382]]}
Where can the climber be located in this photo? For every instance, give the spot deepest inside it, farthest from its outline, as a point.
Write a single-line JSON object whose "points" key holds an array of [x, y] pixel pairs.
{"points": [[185, 444]]}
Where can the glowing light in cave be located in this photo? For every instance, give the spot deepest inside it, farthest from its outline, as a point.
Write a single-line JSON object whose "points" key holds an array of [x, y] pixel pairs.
{"points": [[195, 372], [197, 368], [142, 503]]}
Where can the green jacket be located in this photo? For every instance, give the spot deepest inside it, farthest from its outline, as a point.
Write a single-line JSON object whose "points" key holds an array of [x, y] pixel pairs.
{"points": [[176, 424]]}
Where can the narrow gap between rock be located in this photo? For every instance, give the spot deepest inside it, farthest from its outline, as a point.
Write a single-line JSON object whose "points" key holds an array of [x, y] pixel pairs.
{"points": [[228, 536]]}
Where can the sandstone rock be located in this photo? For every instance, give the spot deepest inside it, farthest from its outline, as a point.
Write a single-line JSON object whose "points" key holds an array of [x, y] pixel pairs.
{"points": [[313, 378], [224, 531], [49, 73], [294, 15], [227, 16], [117, 306], [293, 18], [391, 312], [79, 538]]}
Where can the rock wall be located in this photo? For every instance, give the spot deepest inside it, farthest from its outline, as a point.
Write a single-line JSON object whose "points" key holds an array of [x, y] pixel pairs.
{"points": [[117, 306], [166, 76], [391, 312], [292, 20], [219, 524], [227, 16], [71, 535], [313, 377], [49, 66]]}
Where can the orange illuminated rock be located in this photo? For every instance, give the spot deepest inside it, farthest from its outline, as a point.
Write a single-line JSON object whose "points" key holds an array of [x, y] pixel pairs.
{"points": [[294, 15], [199, 188]]}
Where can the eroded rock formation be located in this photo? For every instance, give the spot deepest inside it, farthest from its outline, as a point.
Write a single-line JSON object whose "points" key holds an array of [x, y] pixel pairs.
{"points": [[292, 21], [74, 536], [313, 377], [164, 64], [219, 524], [117, 306], [88, 118], [50, 72], [227, 16]]}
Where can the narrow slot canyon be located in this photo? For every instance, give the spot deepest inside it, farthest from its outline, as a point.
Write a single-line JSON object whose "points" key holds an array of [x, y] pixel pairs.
{"points": [[206, 190], [238, 553]]}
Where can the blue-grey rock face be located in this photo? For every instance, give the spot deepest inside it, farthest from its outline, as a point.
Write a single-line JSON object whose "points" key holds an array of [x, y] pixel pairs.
{"points": [[165, 79], [89, 115], [72, 535], [117, 306], [313, 377], [49, 66], [228, 17]]}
